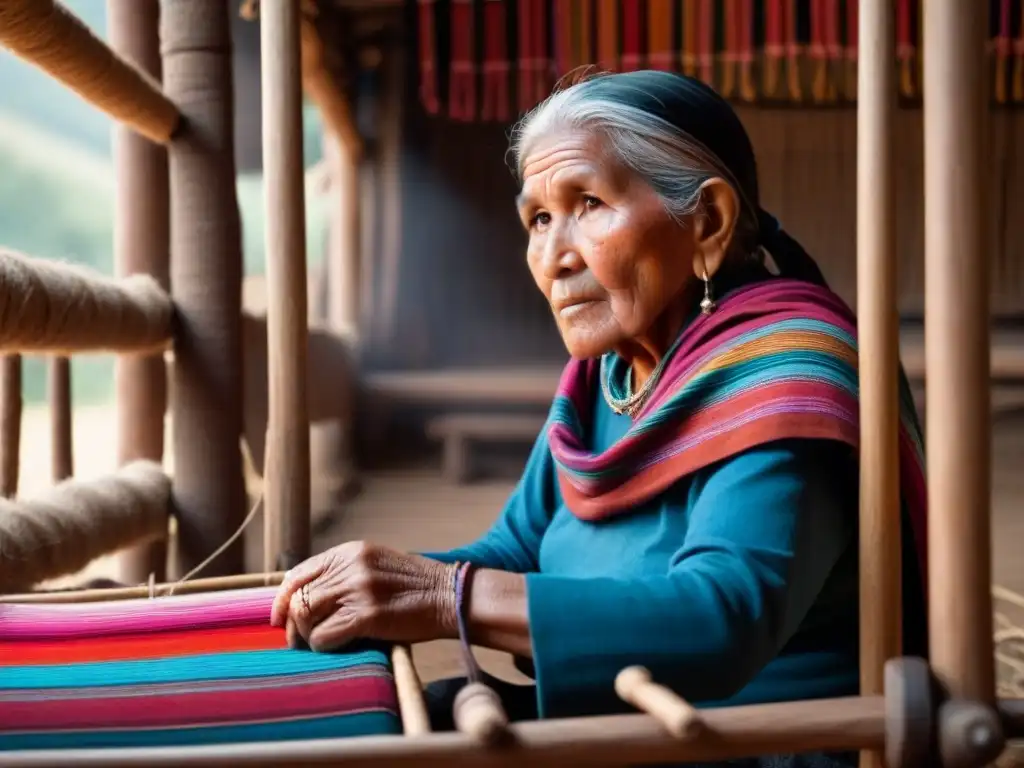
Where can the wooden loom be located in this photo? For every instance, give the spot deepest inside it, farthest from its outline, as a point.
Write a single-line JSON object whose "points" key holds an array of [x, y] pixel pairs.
{"points": [[176, 147]]}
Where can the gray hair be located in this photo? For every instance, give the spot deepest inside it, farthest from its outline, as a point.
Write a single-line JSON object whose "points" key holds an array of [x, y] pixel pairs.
{"points": [[672, 162]]}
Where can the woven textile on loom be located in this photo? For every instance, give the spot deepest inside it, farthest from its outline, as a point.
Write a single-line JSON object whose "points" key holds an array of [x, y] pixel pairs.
{"points": [[181, 670]]}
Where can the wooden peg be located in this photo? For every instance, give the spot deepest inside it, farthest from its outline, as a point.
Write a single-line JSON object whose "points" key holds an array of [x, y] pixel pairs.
{"points": [[970, 733], [677, 716], [910, 707], [478, 713]]}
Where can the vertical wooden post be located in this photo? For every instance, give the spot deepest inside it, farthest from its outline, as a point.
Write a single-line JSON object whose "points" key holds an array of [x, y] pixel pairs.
{"points": [[957, 350], [287, 479], [206, 282], [141, 244], [344, 264], [878, 359], [392, 119], [10, 424], [61, 424]]}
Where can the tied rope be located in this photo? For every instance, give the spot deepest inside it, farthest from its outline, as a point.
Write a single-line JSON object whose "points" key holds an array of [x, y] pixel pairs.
{"points": [[48, 306]]}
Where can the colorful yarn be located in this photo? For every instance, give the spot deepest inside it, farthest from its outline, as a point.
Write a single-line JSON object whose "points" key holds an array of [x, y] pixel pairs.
{"points": [[196, 669], [776, 360]]}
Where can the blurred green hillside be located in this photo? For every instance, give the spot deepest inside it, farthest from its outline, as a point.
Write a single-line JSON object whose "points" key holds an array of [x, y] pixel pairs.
{"points": [[57, 186]]}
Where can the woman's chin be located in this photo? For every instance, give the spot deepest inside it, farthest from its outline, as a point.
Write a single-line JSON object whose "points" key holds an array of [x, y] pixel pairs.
{"points": [[583, 346]]}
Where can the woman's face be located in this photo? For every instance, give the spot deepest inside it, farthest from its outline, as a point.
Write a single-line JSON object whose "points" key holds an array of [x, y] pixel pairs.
{"points": [[602, 248]]}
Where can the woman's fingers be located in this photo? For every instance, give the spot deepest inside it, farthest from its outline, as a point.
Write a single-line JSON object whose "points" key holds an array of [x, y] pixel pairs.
{"points": [[293, 581], [332, 633], [294, 639], [314, 601]]}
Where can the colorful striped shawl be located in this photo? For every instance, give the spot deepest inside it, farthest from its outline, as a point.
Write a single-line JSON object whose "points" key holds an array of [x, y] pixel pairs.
{"points": [[197, 669], [776, 360]]}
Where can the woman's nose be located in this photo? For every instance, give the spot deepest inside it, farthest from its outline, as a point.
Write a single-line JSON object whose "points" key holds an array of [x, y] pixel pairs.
{"points": [[561, 258]]}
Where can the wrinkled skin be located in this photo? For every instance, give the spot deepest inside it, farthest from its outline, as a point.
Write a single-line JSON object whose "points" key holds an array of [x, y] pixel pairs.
{"points": [[620, 274], [618, 271], [360, 590]]}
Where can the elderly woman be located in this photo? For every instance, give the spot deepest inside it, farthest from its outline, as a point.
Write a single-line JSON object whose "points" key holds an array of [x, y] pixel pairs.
{"points": [[691, 505]]}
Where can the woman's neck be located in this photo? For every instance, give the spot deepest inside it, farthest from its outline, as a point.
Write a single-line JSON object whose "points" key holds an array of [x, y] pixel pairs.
{"points": [[644, 353]]}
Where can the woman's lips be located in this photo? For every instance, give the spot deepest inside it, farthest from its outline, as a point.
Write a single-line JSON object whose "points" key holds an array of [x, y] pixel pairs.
{"points": [[570, 310]]}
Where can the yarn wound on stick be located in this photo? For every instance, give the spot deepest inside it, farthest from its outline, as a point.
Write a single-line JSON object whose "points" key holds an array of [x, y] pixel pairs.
{"points": [[175, 671]]}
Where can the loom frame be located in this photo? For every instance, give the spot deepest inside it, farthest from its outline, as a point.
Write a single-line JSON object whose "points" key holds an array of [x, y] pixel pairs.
{"points": [[958, 694]]}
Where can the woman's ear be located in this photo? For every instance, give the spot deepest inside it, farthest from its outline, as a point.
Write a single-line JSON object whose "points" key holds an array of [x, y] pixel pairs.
{"points": [[714, 226]]}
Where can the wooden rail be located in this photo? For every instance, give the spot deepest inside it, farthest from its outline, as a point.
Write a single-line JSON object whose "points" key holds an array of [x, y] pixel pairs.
{"points": [[728, 732]]}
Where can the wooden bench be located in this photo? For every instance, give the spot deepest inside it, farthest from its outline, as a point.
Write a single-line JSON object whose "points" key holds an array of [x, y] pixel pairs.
{"points": [[458, 431]]}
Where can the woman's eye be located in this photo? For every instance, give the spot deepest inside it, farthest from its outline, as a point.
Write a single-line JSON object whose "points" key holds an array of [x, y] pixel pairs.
{"points": [[591, 202], [541, 219]]}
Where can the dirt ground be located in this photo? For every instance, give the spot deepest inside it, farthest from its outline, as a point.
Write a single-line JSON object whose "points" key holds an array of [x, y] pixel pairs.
{"points": [[417, 509]]}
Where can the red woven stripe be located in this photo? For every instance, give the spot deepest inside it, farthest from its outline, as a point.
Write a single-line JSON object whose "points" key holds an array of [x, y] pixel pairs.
{"points": [[215, 707], [852, 28], [428, 59], [904, 31], [1004, 36], [774, 35], [632, 42], [818, 12], [131, 647], [496, 65]]}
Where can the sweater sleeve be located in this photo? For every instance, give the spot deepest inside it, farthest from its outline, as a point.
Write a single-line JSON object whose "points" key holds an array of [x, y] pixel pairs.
{"points": [[765, 529], [513, 542]]}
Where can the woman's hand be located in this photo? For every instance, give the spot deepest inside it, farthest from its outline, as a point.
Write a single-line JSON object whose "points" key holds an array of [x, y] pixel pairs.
{"points": [[363, 591]]}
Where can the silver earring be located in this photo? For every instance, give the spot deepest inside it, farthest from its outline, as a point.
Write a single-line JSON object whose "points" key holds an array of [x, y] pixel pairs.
{"points": [[707, 304]]}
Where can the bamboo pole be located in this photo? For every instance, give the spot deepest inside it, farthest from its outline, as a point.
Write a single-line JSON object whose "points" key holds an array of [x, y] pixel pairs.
{"points": [[10, 424], [287, 488], [957, 353], [878, 358]]}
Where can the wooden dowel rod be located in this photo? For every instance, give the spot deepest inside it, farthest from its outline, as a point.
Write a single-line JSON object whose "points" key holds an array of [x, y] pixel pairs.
{"points": [[10, 424], [677, 716], [287, 477], [415, 719], [59, 392], [211, 584], [957, 353], [825, 725], [878, 358]]}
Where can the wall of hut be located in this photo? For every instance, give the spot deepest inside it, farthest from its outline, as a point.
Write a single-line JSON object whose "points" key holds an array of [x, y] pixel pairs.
{"points": [[464, 296]]}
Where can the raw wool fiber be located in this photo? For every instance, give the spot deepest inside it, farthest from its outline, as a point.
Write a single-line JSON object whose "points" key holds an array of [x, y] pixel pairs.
{"points": [[180, 670], [46, 34], [63, 529], [48, 306]]}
